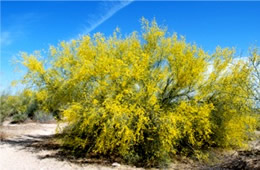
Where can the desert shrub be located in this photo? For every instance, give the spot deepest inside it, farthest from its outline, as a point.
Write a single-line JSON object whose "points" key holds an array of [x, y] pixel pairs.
{"points": [[18, 107], [143, 98], [22, 106], [3, 107], [41, 116], [11, 105], [19, 118]]}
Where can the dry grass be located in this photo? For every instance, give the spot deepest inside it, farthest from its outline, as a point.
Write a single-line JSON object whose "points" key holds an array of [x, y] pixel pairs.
{"points": [[3, 136]]}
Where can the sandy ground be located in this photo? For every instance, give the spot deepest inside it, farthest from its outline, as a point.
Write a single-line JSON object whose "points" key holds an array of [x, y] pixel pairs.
{"points": [[17, 151], [27, 147]]}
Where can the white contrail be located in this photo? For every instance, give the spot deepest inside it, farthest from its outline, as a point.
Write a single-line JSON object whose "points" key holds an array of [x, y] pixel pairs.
{"points": [[94, 23]]}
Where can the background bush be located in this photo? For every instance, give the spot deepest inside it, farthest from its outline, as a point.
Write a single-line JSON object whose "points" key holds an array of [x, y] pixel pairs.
{"points": [[41, 116], [18, 107], [21, 107], [4, 107], [144, 98]]}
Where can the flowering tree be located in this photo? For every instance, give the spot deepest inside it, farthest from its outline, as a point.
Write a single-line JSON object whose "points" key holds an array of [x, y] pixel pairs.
{"points": [[144, 97]]}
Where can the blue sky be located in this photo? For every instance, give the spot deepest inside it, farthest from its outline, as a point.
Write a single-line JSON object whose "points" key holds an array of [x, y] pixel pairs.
{"points": [[29, 26]]}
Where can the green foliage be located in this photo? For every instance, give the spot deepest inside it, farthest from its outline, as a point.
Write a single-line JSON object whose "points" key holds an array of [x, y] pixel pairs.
{"points": [[19, 118], [41, 116], [4, 106], [16, 106], [144, 98], [19, 107]]}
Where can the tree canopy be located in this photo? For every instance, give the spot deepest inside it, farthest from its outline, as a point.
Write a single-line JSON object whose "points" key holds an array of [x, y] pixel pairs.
{"points": [[144, 97]]}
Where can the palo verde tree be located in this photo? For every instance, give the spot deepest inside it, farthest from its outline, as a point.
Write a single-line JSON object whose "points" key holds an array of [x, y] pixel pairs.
{"points": [[145, 97], [254, 64]]}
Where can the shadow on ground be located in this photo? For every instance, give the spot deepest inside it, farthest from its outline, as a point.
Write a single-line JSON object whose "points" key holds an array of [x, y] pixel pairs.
{"points": [[247, 159], [38, 143]]}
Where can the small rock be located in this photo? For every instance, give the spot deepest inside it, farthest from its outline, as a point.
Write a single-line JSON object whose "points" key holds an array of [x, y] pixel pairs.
{"points": [[115, 164]]}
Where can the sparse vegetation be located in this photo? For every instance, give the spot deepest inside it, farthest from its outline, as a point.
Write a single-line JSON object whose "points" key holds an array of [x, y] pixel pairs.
{"points": [[15, 106], [21, 107]]}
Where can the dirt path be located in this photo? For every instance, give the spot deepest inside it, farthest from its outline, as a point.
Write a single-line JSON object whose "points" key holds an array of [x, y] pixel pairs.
{"points": [[28, 147], [19, 150]]}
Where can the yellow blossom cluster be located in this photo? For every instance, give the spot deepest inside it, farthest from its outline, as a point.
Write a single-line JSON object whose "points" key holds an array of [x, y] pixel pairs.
{"points": [[146, 97]]}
